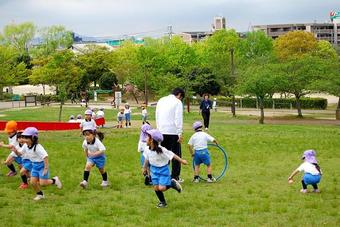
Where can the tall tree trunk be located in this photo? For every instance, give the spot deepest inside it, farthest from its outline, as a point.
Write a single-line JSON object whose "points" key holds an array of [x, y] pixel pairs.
{"points": [[61, 109], [134, 96], [298, 106], [233, 107], [337, 112], [261, 121]]}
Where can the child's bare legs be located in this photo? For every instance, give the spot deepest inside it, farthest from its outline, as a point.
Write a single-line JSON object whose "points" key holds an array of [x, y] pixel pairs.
{"points": [[35, 184], [197, 170], [9, 163], [209, 169], [104, 176]]}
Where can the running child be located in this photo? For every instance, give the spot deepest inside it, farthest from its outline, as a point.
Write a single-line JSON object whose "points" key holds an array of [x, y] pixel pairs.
{"points": [[11, 130], [141, 148], [198, 147], [40, 164], [158, 157], [311, 169], [88, 122], [26, 162], [127, 115], [95, 155]]}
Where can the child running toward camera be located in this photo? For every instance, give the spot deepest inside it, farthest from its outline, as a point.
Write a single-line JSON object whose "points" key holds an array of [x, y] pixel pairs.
{"points": [[26, 162], [158, 157], [95, 155], [88, 122], [198, 147], [40, 164], [11, 130], [141, 148], [311, 169]]}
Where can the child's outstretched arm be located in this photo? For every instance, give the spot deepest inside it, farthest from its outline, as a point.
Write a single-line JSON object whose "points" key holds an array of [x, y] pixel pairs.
{"points": [[11, 147], [293, 174], [145, 167], [215, 141], [191, 150], [183, 161]]}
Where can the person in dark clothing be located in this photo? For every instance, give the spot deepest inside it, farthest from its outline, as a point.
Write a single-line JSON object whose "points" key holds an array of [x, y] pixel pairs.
{"points": [[205, 107]]}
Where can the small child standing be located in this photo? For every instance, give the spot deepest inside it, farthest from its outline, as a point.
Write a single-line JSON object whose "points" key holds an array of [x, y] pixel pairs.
{"points": [[95, 155], [120, 118], [141, 148], [26, 162], [198, 147], [40, 164], [11, 130], [158, 157], [144, 114], [311, 169], [127, 113], [214, 105], [88, 122]]}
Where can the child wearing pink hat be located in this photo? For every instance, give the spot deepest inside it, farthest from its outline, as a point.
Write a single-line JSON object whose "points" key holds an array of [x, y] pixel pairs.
{"points": [[158, 157], [141, 148], [311, 169]]}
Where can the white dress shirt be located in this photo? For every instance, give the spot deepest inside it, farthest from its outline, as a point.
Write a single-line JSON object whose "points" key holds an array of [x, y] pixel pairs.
{"points": [[169, 115]]}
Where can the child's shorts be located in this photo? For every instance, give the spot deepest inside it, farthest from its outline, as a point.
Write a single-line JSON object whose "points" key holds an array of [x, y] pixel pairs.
{"points": [[17, 158], [27, 164], [202, 156], [38, 169], [127, 116], [120, 119], [160, 175], [98, 161], [311, 179]]}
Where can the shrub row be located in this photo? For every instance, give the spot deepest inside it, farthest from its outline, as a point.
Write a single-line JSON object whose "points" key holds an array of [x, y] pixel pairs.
{"points": [[277, 103]]}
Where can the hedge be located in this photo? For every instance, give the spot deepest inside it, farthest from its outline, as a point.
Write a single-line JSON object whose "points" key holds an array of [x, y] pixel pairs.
{"points": [[277, 103]]}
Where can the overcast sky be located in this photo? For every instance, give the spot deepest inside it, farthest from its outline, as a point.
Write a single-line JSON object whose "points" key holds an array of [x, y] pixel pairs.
{"points": [[119, 17]]}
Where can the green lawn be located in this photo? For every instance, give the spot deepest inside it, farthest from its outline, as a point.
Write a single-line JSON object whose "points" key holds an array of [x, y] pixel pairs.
{"points": [[254, 191]]}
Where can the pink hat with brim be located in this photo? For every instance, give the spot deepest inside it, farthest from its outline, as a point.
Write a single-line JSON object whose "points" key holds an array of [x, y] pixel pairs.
{"points": [[143, 133], [155, 135], [309, 156]]}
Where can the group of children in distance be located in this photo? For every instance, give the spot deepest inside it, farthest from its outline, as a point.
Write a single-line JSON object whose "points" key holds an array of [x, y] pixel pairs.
{"points": [[94, 115], [124, 114]]}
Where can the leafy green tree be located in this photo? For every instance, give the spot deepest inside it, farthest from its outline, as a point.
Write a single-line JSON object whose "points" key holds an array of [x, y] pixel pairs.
{"points": [[255, 45], [260, 79], [95, 61], [53, 38], [295, 51], [203, 81], [11, 72], [60, 71], [107, 80], [19, 36]]}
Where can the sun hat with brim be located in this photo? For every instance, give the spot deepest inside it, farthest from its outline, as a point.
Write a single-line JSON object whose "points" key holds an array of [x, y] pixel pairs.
{"points": [[144, 134], [30, 131], [88, 128], [79, 116], [197, 125], [11, 126], [309, 156], [88, 112], [155, 134]]}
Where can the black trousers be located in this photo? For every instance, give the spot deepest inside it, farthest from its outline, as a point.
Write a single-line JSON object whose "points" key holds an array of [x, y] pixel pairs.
{"points": [[206, 117], [171, 143]]}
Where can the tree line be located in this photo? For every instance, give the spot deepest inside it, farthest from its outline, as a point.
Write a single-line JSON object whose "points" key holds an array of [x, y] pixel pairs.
{"points": [[294, 64]]}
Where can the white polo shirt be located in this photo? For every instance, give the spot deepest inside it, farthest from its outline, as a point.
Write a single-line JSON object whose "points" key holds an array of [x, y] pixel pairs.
{"points": [[13, 140], [200, 140], [35, 155], [169, 115], [96, 146], [88, 124], [158, 160]]}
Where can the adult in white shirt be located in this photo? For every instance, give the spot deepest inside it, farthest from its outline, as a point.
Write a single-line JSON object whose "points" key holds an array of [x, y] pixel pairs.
{"points": [[169, 121]]}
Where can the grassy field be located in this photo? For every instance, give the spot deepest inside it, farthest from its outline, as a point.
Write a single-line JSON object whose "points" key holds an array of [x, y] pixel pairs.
{"points": [[254, 191]]}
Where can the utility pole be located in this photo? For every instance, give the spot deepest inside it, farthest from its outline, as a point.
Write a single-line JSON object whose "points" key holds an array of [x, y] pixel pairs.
{"points": [[233, 108], [170, 31], [145, 86]]}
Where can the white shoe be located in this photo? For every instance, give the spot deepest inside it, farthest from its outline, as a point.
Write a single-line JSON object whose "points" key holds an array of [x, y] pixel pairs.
{"points": [[176, 185], [180, 180], [39, 197], [58, 182], [211, 180], [104, 184], [83, 184], [206, 129], [196, 180]]}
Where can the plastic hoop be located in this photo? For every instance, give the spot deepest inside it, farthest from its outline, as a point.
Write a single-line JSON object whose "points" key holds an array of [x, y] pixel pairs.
{"points": [[225, 159]]}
